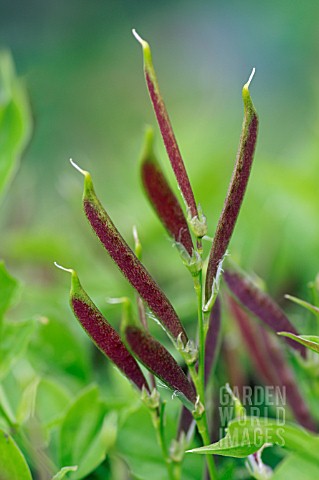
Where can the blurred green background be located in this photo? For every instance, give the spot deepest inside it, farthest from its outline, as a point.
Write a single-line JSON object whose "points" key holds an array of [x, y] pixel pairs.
{"points": [[82, 70]]}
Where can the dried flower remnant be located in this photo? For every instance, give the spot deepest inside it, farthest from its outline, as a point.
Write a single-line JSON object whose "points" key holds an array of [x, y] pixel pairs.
{"points": [[237, 188], [260, 304], [168, 134], [127, 261], [102, 333], [163, 198], [159, 361]]}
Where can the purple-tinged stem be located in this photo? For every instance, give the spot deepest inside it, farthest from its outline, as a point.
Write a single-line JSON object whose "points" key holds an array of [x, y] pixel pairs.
{"points": [[166, 129], [162, 198], [102, 333], [236, 190], [211, 350], [212, 339], [261, 305], [159, 361], [128, 263]]}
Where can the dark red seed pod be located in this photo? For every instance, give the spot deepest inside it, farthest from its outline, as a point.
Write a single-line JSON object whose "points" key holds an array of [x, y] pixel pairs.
{"points": [[261, 305], [166, 129], [159, 361], [162, 198], [236, 190], [272, 364], [128, 263], [103, 334]]}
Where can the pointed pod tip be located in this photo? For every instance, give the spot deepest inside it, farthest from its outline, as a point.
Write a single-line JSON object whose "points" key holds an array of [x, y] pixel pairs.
{"points": [[145, 46], [69, 270], [75, 282], [139, 38], [245, 92], [251, 76], [88, 184], [79, 169], [148, 153]]}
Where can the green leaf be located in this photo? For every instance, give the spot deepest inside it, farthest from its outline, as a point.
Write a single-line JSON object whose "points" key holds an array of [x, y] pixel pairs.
{"points": [[8, 286], [14, 341], [12, 463], [309, 341], [15, 120], [6, 409], [302, 303], [26, 406], [51, 402], [61, 473], [245, 436], [87, 433], [138, 446], [295, 466], [49, 354]]}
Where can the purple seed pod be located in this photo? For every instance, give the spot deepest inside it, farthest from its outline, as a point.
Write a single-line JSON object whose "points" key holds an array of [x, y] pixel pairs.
{"points": [[286, 378], [163, 198], [128, 263], [261, 305], [253, 340], [159, 361], [236, 190], [271, 363], [102, 333], [166, 129], [212, 338]]}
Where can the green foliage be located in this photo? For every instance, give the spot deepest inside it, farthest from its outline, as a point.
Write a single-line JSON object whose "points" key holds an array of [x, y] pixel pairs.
{"points": [[309, 341], [296, 466], [8, 286], [101, 432], [12, 463], [87, 433], [15, 120], [247, 435]]}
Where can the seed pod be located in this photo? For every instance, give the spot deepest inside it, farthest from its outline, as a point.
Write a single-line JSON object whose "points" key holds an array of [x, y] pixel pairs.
{"points": [[271, 363], [261, 305], [102, 333], [127, 261], [159, 361], [236, 190], [163, 198], [166, 129]]}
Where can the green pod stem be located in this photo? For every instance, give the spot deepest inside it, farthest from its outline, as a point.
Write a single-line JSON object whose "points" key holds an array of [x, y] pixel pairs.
{"points": [[154, 356], [236, 190], [103, 334], [162, 198], [213, 339], [261, 305], [128, 263], [166, 129]]}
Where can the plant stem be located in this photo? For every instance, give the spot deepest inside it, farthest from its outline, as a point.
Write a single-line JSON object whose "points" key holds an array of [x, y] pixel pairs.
{"points": [[158, 422], [199, 377], [202, 425], [201, 336]]}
